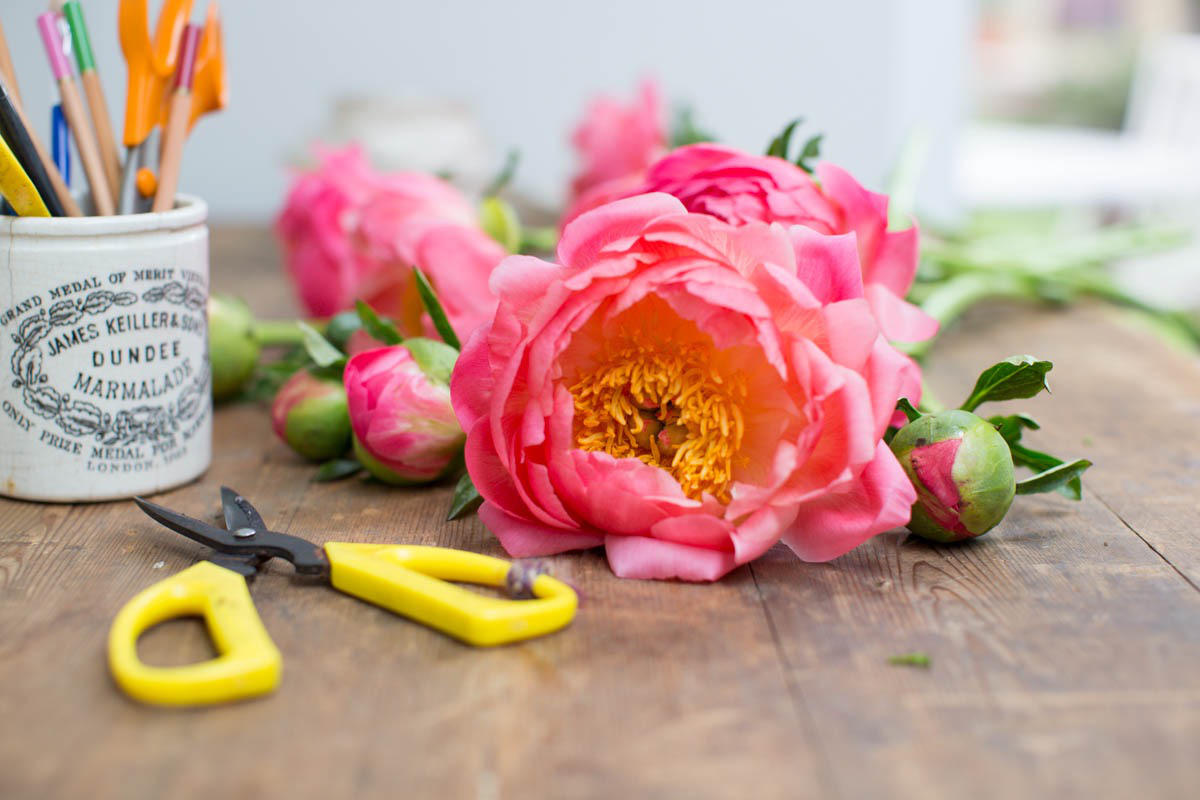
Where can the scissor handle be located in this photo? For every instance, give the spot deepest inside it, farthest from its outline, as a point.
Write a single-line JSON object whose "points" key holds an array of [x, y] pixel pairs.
{"points": [[411, 580], [247, 665]]}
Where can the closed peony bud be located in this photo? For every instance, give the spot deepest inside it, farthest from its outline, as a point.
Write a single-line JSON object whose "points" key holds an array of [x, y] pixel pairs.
{"points": [[232, 346], [309, 414], [963, 473], [405, 431]]}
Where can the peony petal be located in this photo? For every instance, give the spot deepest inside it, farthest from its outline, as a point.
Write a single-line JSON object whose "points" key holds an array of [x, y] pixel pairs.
{"points": [[651, 559], [899, 319], [827, 265], [521, 538], [695, 530], [835, 523], [471, 381], [588, 233]]}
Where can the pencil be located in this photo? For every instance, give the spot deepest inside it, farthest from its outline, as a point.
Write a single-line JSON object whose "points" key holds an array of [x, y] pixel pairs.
{"points": [[16, 187], [16, 135], [61, 190], [6, 67], [72, 103], [176, 130], [94, 90]]}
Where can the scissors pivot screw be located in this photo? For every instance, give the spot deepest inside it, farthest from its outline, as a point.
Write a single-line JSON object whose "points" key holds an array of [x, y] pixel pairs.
{"points": [[244, 533]]}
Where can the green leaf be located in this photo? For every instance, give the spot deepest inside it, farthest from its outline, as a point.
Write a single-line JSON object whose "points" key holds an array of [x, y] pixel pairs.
{"points": [[904, 405], [1040, 462], [504, 177], [318, 347], [466, 498], [780, 145], [335, 469], [911, 660], [1055, 478], [436, 359], [538, 239], [685, 131], [375, 326], [438, 314], [811, 150], [1013, 378], [1012, 426], [499, 220]]}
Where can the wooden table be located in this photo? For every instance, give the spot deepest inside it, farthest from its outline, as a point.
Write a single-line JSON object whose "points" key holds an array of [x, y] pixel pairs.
{"points": [[1065, 645]]}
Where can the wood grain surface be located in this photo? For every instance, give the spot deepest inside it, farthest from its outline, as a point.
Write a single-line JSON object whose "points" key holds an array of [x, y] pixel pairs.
{"points": [[1064, 644]]}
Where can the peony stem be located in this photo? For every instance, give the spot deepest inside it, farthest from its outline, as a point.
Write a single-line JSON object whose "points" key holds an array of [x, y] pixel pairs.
{"points": [[282, 332]]}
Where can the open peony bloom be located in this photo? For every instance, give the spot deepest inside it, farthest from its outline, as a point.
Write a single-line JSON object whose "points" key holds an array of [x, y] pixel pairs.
{"points": [[684, 392], [349, 232], [399, 401], [616, 143]]}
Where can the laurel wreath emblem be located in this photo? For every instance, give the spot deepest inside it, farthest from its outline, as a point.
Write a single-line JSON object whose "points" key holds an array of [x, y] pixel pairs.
{"points": [[144, 423]]}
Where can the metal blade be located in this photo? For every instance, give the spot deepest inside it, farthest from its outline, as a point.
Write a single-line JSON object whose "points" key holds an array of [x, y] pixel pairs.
{"points": [[239, 514], [194, 529]]}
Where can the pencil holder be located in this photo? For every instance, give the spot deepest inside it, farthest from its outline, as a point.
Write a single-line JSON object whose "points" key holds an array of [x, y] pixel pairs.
{"points": [[104, 353]]}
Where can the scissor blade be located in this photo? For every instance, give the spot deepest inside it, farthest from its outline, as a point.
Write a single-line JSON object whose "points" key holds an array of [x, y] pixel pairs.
{"points": [[239, 513], [194, 529]]}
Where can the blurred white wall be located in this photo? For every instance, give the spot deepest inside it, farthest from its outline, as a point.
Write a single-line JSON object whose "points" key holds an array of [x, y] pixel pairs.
{"points": [[862, 71]]}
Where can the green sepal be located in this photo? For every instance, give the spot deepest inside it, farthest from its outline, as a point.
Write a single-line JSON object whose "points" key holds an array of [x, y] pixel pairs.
{"points": [[903, 405], [1012, 426], [1041, 462], [500, 221], [1016, 377], [780, 145], [1054, 479], [435, 359], [810, 151], [441, 322], [319, 348], [375, 326], [335, 469], [466, 498]]}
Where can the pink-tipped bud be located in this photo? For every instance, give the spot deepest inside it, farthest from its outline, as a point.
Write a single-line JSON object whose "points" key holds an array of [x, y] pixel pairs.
{"points": [[309, 414]]}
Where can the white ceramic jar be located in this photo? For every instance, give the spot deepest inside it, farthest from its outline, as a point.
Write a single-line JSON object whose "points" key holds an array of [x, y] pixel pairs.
{"points": [[105, 389]]}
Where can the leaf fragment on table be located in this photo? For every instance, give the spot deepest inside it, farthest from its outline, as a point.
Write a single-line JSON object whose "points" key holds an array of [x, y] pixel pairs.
{"points": [[1055, 478], [466, 498], [437, 313], [335, 469], [377, 327], [1016, 377], [911, 660]]}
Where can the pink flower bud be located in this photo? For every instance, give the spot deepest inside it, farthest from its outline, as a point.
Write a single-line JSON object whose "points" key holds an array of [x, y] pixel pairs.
{"points": [[405, 430], [309, 415]]}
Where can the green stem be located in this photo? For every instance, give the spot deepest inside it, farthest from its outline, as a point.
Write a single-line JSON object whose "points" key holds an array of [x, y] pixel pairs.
{"points": [[951, 299], [282, 332]]}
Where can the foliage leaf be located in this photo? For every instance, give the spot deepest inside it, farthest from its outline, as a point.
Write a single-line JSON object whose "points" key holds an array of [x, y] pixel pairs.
{"points": [[1055, 478], [376, 326], [441, 323], [1012, 426], [335, 469], [318, 347], [810, 151], [905, 406], [1041, 462], [1013, 378], [466, 498], [500, 221], [504, 177], [685, 131], [780, 145]]}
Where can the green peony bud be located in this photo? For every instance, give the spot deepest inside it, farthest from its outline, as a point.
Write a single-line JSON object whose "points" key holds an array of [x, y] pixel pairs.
{"points": [[232, 348], [962, 470], [310, 415], [341, 327]]}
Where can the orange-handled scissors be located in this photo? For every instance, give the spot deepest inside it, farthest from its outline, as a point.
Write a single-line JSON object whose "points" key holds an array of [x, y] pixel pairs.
{"points": [[151, 64], [210, 89]]}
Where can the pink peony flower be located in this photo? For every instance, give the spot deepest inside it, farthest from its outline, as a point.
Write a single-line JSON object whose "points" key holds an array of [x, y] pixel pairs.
{"points": [[404, 427], [685, 393], [347, 230], [740, 187], [617, 142]]}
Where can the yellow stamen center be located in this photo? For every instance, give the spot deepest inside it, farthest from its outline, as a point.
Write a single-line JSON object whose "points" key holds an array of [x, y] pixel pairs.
{"points": [[667, 405]]}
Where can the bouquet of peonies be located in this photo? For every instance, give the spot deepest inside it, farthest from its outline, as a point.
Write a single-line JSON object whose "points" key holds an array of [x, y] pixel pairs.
{"points": [[707, 365]]}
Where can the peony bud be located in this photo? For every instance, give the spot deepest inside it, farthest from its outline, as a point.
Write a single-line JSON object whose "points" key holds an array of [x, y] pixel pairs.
{"points": [[963, 473], [232, 347], [309, 414], [341, 327], [405, 431]]}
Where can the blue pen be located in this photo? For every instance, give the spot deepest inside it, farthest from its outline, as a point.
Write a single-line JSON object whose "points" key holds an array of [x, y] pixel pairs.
{"points": [[60, 142]]}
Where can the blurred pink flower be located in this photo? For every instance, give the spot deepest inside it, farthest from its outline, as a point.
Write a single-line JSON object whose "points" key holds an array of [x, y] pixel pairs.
{"points": [[404, 427], [740, 187], [617, 142], [348, 230], [683, 392]]}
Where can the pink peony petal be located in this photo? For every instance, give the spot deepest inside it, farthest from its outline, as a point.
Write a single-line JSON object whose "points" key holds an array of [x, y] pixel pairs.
{"points": [[650, 559], [900, 320], [827, 265], [588, 233], [521, 538]]}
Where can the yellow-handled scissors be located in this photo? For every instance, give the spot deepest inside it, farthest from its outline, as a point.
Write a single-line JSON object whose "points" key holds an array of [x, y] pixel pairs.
{"points": [[410, 580]]}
